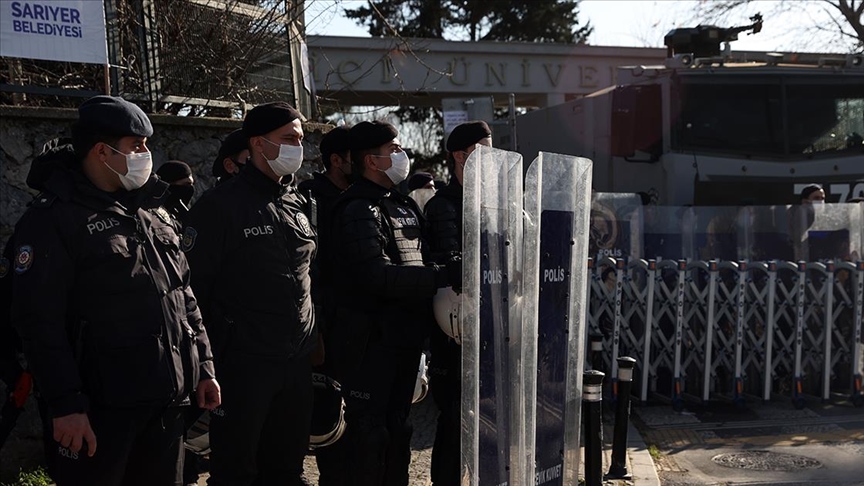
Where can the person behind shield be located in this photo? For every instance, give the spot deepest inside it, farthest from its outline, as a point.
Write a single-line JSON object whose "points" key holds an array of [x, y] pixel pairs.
{"points": [[444, 215], [383, 313]]}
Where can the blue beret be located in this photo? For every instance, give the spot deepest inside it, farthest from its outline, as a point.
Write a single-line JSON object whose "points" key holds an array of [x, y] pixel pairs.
{"points": [[113, 116]]}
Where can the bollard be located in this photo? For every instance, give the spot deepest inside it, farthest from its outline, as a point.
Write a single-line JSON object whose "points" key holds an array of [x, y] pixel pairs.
{"points": [[592, 402], [618, 468], [596, 341]]}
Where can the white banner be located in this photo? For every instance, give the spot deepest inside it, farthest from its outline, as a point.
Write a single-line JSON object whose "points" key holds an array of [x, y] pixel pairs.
{"points": [[54, 30]]}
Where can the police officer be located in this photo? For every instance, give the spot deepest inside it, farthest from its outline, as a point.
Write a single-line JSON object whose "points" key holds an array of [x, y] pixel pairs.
{"points": [[232, 156], [444, 214], [250, 246], [324, 189], [384, 308], [179, 175], [110, 327]]}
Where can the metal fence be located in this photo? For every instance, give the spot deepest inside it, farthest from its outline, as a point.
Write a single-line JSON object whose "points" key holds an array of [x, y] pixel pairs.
{"points": [[730, 302], [189, 57], [723, 330]]}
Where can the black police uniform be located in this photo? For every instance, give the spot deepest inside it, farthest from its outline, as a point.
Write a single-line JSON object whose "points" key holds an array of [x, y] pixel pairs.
{"points": [[109, 325], [444, 217], [250, 246], [382, 317], [322, 194]]}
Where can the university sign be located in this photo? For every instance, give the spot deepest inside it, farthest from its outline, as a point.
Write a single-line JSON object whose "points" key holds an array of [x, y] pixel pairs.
{"points": [[424, 71]]}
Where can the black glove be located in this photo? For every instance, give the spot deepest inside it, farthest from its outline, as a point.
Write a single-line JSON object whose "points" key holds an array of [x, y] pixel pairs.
{"points": [[454, 273]]}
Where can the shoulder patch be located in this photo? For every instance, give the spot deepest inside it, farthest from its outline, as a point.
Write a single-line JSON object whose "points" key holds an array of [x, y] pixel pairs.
{"points": [[4, 267], [43, 200], [189, 237], [23, 259], [303, 223]]}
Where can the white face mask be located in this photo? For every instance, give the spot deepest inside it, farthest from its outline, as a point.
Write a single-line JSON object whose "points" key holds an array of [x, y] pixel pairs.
{"points": [[399, 167], [138, 168], [288, 161]]}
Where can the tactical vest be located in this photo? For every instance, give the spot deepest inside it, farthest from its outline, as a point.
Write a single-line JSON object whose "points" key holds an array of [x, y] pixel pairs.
{"points": [[404, 247]]}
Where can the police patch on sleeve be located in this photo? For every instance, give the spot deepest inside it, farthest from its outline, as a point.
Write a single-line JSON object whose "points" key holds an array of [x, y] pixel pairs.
{"points": [[189, 237], [23, 259], [4, 267], [303, 224]]}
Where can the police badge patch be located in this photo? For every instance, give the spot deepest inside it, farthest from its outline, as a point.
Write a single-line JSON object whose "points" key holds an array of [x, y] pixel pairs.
{"points": [[303, 223], [4, 267], [163, 214], [189, 236], [24, 259]]}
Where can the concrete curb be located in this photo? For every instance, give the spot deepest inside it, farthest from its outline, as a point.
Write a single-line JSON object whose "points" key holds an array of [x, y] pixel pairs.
{"points": [[641, 464]]}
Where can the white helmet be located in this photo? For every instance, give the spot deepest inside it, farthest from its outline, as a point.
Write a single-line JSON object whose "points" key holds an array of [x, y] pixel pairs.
{"points": [[421, 386], [198, 435], [447, 306], [328, 413]]}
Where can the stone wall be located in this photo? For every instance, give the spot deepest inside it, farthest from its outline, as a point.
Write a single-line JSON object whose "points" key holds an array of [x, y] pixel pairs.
{"points": [[24, 130]]}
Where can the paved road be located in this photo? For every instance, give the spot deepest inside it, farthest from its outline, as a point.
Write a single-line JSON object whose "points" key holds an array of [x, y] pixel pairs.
{"points": [[764, 443]]}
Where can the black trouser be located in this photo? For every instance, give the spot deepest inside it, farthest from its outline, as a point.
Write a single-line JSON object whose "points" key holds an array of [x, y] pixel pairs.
{"points": [[445, 385], [191, 460], [378, 396], [135, 446], [261, 431]]}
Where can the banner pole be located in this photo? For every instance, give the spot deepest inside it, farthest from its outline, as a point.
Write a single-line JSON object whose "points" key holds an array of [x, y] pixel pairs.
{"points": [[108, 79]]}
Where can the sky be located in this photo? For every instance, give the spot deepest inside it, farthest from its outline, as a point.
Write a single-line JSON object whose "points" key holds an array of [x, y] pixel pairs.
{"points": [[642, 23]]}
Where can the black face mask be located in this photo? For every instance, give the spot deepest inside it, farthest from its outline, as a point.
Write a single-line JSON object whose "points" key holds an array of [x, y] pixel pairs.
{"points": [[349, 176], [182, 194]]}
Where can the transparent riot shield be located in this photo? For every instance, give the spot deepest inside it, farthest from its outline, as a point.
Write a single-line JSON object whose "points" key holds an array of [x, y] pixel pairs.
{"points": [[710, 233], [493, 410], [616, 226], [834, 233], [557, 214], [662, 232]]}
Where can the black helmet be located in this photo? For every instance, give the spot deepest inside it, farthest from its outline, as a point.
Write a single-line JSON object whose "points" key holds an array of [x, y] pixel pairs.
{"points": [[198, 435], [328, 414]]}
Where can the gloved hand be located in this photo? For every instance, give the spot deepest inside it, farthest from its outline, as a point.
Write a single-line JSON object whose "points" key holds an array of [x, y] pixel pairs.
{"points": [[454, 272]]}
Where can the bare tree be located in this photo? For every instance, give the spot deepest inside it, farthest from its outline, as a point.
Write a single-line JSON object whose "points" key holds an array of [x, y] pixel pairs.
{"points": [[839, 22]]}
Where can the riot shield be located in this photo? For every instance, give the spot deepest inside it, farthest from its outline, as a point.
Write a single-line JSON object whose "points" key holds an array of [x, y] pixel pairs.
{"points": [[616, 226], [833, 234], [557, 213], [493, 419]]}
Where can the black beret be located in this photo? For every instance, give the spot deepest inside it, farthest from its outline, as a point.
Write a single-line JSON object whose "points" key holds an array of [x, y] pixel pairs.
{"points": [[467, 134], [112, 116], [337, 141], [810, 189], [265, 118], [368, 135], [419, 179], [173, 171], [233, 144]]}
